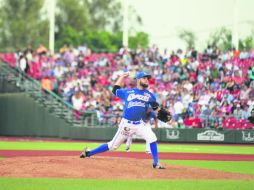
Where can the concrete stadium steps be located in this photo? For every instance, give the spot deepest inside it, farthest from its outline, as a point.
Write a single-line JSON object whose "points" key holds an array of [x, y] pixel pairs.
{"points": [[52, 104]]}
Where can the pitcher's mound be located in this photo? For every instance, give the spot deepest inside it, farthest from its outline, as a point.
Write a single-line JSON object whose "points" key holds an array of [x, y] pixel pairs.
{"points": [[104, 168]]}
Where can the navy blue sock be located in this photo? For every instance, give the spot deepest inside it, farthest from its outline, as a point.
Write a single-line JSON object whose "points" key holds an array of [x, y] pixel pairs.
{"points": [[153, 147], [100, 149]]}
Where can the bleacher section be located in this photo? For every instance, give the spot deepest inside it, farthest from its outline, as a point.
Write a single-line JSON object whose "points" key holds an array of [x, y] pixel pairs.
{"points": [[47, 99]]}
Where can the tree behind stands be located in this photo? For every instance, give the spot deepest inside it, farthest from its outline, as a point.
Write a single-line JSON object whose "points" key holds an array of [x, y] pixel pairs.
{"points": [[94, 23], [21, 24]]}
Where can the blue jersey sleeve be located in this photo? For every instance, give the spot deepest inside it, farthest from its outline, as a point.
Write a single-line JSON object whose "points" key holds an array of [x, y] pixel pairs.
{"points": [[152, 101], [121, 93]]}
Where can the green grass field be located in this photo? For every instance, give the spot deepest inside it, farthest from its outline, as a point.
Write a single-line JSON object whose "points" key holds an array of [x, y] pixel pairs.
{"points": [[88, 184], [76, 184], [140, 147], [228, 166]]}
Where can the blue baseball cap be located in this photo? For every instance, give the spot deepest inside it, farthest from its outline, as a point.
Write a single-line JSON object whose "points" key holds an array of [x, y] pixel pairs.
{"points": [[142, 74]]}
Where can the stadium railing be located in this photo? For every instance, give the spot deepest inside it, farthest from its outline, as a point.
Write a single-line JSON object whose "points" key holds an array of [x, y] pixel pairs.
{"points": [[48, 99]]}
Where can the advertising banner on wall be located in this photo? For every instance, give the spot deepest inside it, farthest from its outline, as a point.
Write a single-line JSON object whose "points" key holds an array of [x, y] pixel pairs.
{"points": [[203, 135], [244, 136]]}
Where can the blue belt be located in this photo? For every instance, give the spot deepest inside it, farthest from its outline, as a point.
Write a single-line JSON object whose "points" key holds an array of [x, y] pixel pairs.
{"points": [[134, 122]]}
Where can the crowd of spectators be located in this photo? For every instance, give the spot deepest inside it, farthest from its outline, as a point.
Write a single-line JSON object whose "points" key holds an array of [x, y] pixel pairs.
{"points": [[213, 88]]}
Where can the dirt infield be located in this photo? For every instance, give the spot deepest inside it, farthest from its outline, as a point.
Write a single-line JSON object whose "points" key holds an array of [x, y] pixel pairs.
{"points": [[111, 165], [104, 168]]}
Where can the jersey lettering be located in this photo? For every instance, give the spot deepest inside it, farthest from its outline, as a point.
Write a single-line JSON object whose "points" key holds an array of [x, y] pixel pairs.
{"points": [[137, 96], [135, 103]]}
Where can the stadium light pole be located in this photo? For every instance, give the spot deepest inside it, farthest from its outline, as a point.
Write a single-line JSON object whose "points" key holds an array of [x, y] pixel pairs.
{"points": [[125, 22], [52, 4], [235, 37]]}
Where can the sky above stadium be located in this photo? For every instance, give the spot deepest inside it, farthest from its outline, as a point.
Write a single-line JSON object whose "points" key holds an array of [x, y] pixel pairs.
{"points": [[162, 19]]}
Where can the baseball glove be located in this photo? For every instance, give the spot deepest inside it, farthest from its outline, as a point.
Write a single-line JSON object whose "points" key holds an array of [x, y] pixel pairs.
{"points": [[164, 115]]}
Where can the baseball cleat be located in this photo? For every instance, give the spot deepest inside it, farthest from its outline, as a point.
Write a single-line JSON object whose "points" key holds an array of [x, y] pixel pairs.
{"points": [[85, 153], [127, 149], [158, 166], [148, 152]]}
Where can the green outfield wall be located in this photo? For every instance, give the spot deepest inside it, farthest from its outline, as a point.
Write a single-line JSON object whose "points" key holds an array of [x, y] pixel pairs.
{"points": [[7, 86], [20, 115]]}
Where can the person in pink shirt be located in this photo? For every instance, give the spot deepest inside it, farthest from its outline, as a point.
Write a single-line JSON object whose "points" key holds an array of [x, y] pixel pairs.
{"points": [[226, 107], [237, 78]]}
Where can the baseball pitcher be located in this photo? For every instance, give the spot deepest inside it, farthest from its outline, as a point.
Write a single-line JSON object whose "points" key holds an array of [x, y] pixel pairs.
{"points": [[137, 101]]}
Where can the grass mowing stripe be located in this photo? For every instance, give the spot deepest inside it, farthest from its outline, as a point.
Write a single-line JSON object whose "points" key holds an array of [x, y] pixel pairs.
{"points": [[227, 166], [6, 145], [222, 149], [78, 184], [44, 145]]}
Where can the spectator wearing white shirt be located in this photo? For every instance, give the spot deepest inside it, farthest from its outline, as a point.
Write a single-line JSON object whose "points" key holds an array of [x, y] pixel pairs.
{"points": [[23, 67], [23, 64], [77, 101], [178, 109], [245, 113], [187, 85], [238, 112], [59, 71], [244, 92]]}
